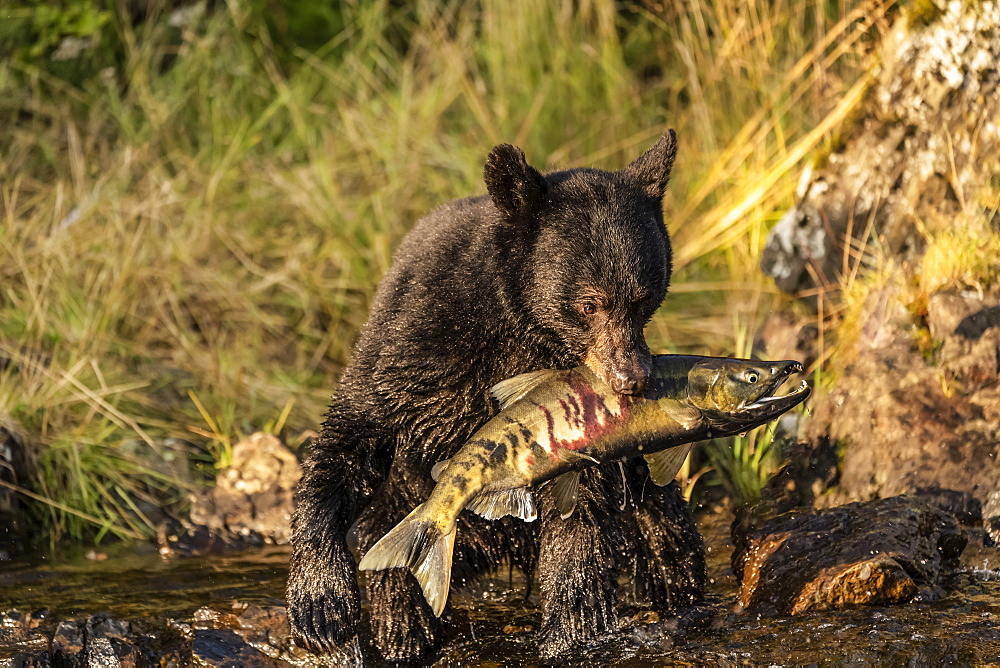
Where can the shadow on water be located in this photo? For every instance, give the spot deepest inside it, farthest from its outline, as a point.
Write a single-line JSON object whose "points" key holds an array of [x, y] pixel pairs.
{"points": [[493, 625]]}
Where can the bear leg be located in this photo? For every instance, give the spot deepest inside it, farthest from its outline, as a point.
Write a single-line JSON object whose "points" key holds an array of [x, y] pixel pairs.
{"points": [[669, 555], [324, 604], [404, 628], [577, 564]]}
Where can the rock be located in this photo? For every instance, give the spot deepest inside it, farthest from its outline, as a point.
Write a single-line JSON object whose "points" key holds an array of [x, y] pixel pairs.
{"points": [[36, 659], [804, 476], [905, 425], [254, 494], [13, 626], [785, 337], [921, 149], [224, 648], [67, 645], [185, 540], [875, 553], [250, 504], [109, 642]]}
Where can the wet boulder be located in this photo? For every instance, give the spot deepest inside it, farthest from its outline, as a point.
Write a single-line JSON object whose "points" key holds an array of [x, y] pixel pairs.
{"points": [[68, 645], [876, 553], [225, 648], [110, 643]]}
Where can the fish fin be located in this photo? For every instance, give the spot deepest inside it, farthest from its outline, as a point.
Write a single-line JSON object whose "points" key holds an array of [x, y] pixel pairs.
{"points": [[434, 572], [510, 390], [575, 456], [564, 491], [422, 546], [664, 465], [685, 415], [439, 468], [496, 503]]}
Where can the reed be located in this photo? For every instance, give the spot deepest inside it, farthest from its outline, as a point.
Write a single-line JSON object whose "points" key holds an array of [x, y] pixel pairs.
{"points": [[191, 238]]}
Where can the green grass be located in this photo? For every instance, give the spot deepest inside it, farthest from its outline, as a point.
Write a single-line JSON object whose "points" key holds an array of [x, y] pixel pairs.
{"points": [[190, 239]]}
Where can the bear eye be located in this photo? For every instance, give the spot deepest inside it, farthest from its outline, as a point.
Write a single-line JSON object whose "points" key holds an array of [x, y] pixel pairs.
{"points": [[752, 377], [588, 306]]}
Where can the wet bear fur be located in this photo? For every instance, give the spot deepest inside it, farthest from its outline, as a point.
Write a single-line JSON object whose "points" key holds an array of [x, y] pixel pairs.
{"points": [[544, 272]]}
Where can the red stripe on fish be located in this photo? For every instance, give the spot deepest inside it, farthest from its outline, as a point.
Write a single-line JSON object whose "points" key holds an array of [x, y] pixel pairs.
{"points": [[584, 411]]}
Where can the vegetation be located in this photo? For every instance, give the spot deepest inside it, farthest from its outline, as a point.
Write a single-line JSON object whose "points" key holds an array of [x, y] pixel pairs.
{"points": [[195, 213]]}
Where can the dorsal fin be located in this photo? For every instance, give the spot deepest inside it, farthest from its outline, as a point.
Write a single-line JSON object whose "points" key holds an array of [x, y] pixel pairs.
{"points": [[664, 465], [494, 504], [510, 390], [564, 492]]}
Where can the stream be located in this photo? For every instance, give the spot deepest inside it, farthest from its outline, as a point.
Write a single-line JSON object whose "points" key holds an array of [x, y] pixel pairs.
{"points": [[493, 626]]}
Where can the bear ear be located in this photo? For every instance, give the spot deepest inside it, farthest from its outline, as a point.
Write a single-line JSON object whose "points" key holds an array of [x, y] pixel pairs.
{"points": [[651, 170], [516, 187]]}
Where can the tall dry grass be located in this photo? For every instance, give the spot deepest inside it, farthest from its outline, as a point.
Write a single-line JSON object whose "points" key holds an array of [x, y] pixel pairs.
{"points": [[190, 240]]}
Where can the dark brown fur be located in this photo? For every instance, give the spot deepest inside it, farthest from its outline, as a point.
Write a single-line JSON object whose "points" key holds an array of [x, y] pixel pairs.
{"points": [[548, 271]]}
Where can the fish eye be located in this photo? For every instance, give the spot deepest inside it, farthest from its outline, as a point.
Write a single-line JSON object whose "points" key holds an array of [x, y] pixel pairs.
{"points": [[752, 377]]}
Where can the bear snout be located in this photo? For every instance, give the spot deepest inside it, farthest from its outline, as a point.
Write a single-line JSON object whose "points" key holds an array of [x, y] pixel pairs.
{"points": [[630, 378], [625, 369]]}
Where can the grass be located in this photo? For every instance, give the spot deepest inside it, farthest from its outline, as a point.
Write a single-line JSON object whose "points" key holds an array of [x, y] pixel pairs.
{"points": [[190, 239]]}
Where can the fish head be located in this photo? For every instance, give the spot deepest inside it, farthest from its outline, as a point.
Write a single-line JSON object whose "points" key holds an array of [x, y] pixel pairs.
{"points": [[736, 394]]}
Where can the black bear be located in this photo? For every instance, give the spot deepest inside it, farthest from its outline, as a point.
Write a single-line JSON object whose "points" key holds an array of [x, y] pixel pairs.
{"points": [[547, 271]]}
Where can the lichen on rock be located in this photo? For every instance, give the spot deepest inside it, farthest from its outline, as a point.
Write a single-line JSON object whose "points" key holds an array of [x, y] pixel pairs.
{"points": [[919, 155]]}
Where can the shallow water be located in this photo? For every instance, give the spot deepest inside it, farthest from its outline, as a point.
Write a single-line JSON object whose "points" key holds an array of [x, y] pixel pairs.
{"points": [[495, 626]]}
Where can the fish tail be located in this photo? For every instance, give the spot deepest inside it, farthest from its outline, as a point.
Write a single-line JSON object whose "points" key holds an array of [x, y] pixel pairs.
{"points": [[425, 547]]}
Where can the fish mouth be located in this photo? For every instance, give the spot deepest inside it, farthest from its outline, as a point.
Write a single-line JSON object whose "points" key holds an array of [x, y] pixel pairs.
{"points": [[785, 401], [765, 408], [780, 403]]}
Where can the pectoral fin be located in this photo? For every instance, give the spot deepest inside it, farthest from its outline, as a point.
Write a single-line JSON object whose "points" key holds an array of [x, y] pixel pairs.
{"points": [[564, 491], [510, 390], [438, 469], [684, 414], [494, 504], [664, 465]]}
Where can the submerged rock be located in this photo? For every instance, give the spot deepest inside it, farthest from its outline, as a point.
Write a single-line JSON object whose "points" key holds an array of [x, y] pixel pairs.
{"points": [[876, 553]]}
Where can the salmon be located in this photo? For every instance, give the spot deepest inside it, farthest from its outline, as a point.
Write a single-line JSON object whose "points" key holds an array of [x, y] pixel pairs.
{"points": [[554, 423]]}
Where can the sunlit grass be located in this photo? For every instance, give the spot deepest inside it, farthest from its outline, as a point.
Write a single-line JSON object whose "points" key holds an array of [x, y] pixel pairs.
{"points": [[188, 250]]}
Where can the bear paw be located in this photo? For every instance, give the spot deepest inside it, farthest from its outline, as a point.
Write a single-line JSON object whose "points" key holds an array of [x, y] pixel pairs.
{"points": [[323, 612]]}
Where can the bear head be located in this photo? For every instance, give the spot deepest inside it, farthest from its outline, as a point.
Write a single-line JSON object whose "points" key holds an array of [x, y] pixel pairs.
{"points": [[599, 258]]}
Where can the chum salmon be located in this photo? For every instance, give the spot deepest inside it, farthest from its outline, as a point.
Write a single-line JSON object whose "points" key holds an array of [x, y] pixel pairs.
{"points": [[554, 423]]}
